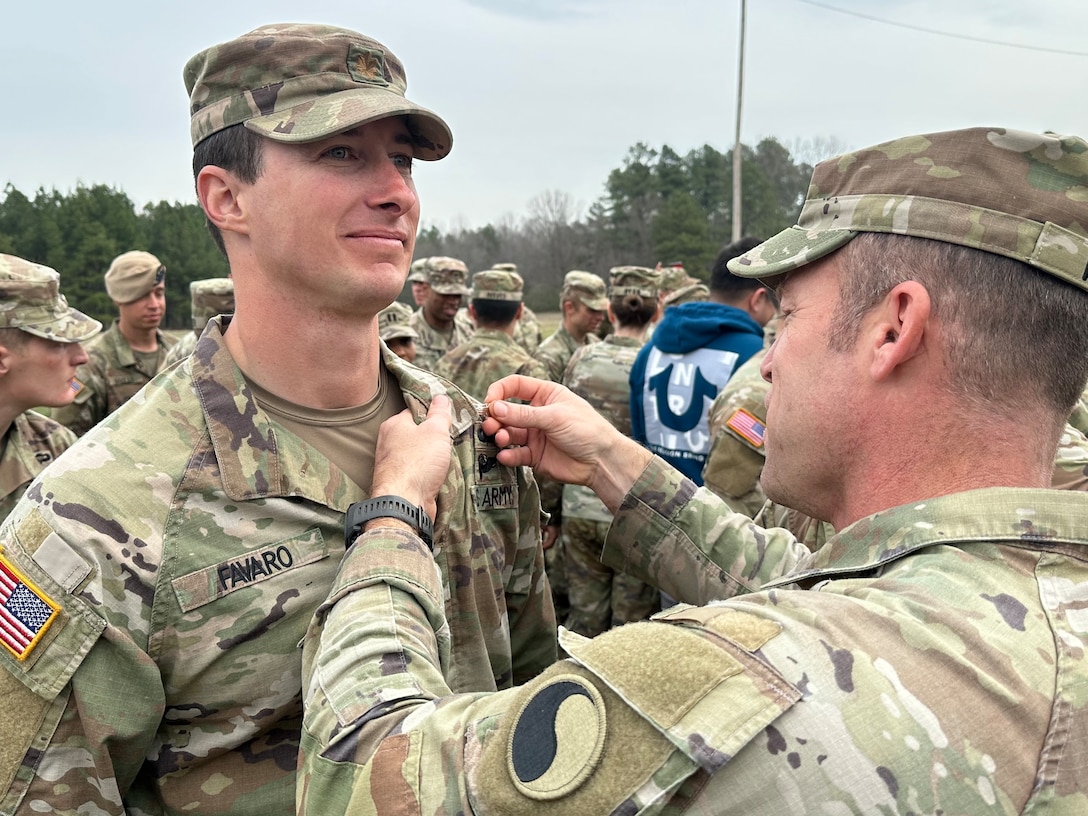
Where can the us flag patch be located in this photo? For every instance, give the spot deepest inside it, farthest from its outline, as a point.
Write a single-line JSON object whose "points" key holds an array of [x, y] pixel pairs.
{"points": [[747, 426], [76, 385], [25, 611]]}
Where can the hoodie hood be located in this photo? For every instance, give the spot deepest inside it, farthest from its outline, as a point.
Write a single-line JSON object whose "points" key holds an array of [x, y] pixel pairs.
{"points": [[695, 325]]}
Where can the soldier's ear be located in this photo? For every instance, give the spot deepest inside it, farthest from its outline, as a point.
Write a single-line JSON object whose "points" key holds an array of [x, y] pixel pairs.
{"points": [[6, 355], [220, 193]]}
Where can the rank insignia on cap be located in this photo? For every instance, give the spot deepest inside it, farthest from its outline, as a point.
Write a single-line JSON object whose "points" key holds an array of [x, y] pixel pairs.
{"points": [[557, 739], [747, 427], [25, 611]]}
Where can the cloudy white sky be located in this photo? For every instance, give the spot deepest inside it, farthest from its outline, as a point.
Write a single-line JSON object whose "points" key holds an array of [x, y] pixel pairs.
{"points": [[545, 95]]}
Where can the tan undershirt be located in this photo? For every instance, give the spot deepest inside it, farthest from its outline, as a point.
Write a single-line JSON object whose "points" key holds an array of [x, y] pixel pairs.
{"points": [[346, 436], [149, 362]]}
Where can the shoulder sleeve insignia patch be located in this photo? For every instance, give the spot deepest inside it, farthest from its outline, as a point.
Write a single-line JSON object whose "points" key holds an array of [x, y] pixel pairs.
{"points": [[747, 426], [557, 738], [25, 611]]}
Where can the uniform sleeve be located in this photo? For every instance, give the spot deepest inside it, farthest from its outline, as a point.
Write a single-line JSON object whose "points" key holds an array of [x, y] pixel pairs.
{"points": [[685, 540], [733, 465], [83, 700], [89, 406], [383, 734]]}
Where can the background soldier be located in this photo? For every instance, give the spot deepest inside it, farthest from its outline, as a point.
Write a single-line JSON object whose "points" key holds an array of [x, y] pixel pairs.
{"points": [[417, 278], [396, 332], [583, 301], [491, 352], [694, 350], [125, 357], [602, 597], [209, 297], [39, 352], [527, 333], [440, 322]]}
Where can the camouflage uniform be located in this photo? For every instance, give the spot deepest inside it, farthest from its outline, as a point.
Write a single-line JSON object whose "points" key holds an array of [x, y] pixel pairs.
{"points": [[928, 659], [527, 333], [832, 696], [110, 378], [491, 353], [447, 276], [600, 597], [170, 679], [555, 352], [1079, 418], [31, 302], [208, 298], [737, 422], [30, 444]]}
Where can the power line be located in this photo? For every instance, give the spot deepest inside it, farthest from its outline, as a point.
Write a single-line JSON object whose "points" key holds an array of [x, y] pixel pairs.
{"points": [[944, 33]]}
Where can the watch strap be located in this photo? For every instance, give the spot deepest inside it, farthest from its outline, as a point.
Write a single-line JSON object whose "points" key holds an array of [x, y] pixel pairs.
{"points": [[387, 507]]}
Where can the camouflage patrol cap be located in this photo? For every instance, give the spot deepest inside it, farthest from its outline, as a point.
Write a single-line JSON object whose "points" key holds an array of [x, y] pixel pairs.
{"points": [[418, 273], [300, 83], [210, 297], [132, 275], [1018, 194], [393, 322], [586, 288], [497, 284], [30, 300], [688, 293], [505, 267], [674, 277], [634, 280], [447, 276]]}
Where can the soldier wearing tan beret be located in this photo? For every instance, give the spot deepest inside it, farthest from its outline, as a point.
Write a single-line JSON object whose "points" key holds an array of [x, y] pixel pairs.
{"points": [[125, 357]]}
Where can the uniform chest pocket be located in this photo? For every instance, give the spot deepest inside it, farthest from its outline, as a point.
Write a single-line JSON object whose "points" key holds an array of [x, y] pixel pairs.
{"points": [[248, 569]]}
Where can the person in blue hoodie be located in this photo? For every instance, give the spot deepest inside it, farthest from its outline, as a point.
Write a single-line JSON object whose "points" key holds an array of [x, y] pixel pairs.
{"points": [[694, 350]]}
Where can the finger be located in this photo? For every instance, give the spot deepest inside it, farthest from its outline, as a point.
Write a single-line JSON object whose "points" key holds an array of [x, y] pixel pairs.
{"points": [[505, 437], [513, 457], [516, 386], [440, 411]]}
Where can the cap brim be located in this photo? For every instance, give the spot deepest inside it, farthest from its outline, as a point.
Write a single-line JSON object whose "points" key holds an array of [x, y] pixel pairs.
{"points": [[75, 327], [336, 112], [790, 249], [463, 291], [596, 304]]}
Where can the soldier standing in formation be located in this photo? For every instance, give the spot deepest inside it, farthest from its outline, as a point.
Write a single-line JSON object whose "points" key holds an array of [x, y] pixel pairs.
{"points": [[440, 322], [208, 298], [491, 353], [527, 333], [602, 597], [125, 357], [40, 336]]}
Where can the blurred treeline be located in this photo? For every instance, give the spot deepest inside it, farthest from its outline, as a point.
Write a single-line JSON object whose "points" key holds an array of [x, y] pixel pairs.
{"points": [[658, 206]]}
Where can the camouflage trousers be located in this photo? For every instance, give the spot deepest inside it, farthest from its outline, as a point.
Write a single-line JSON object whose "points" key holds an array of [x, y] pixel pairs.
{"points": [[600, 597]]}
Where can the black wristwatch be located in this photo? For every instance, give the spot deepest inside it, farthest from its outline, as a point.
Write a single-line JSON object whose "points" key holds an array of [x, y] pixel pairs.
{"points": [[387, 507]]}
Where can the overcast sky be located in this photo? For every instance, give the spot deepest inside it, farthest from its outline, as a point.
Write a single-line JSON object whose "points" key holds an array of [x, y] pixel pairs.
{"points": [[544, 95]]}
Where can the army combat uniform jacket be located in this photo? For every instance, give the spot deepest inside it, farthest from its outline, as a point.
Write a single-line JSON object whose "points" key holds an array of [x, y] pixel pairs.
{"points": [[176, 565], [107, 380], [487, 356], [927, 659], [31, 443], [432, 344], [555, 352]]}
